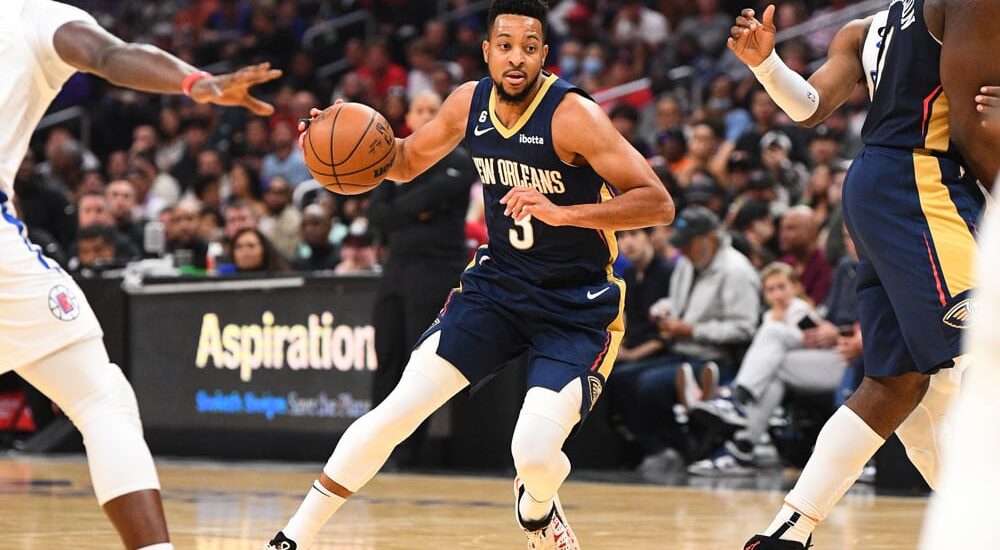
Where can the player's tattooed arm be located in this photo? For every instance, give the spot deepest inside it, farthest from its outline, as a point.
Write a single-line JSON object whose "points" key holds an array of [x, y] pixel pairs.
{"points": [[583, 135], [89, 48]]}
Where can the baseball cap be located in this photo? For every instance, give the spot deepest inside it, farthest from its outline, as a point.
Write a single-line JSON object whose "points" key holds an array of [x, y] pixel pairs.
{"points": [[775, 137], [694, 221]]}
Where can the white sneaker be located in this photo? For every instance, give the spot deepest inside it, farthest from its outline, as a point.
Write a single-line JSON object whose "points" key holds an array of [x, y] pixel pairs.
{"points": [[554, 533], [688, 390]]}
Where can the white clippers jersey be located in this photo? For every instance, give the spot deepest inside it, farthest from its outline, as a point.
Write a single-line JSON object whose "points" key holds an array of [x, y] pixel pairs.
{"points": [[869, 52], [31, 73]]}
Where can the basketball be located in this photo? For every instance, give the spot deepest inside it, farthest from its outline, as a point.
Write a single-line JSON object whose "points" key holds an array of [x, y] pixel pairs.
{"points": [[349, 148]]}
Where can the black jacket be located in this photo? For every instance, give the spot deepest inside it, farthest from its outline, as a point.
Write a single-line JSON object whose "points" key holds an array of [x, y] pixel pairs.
{"points": [[425, 218]]}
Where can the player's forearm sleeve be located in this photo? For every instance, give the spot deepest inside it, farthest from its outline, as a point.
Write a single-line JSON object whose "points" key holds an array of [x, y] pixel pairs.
{"points": [[788, 88]]}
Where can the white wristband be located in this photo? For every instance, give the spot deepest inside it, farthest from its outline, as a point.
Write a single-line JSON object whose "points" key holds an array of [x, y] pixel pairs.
{"points": [[788, 88]]}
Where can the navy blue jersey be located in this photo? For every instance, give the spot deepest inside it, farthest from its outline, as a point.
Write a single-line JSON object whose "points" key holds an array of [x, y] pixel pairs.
{"points": [[523, 156], [909, 109]]}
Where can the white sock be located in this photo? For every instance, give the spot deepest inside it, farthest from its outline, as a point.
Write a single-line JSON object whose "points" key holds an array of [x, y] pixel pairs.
{"points": [[790, 524], [531, 509], [845, 444], [312, 515], [160, 546]]}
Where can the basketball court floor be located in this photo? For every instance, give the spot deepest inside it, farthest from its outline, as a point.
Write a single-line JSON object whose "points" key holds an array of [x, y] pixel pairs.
{"points": [[47, 503]]}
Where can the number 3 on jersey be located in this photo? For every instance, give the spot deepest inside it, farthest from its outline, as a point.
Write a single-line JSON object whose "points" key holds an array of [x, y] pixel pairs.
{"points": [[524, 239]]}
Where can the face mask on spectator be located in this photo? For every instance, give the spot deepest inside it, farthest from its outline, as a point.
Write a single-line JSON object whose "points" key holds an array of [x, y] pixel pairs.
{"points": [[720, 103], [593, 66], [569, 65]]}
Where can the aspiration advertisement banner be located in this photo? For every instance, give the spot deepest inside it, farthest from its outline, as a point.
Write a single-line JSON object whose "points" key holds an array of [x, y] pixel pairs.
{"points": [[288, 354]]}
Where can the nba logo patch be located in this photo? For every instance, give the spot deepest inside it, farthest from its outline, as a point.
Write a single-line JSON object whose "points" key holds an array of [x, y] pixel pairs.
{"points": [[63, 304]]}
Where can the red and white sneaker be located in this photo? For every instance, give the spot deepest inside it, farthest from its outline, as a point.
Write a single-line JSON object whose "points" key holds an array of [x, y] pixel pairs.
{"points": [[551, 533]]}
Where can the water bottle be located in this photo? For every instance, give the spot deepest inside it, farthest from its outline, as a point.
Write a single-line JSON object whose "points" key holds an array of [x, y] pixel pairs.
{"points": [[212, 258], [154, 239]]}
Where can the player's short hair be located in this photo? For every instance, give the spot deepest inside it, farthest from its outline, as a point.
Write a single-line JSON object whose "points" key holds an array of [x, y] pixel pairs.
{"points": [[536, 9]]}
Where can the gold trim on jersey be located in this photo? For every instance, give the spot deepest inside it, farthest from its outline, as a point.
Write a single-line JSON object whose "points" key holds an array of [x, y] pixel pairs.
{"points": [[938, 136], [526, 115], [953, 241], [617, 327]]}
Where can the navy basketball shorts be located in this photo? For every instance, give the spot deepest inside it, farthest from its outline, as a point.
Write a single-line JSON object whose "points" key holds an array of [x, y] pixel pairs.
{"points": [[913, 219], [568, 332]]}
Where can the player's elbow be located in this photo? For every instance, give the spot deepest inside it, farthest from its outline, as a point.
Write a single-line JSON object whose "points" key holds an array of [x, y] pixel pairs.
{"points": [[665, 207]]}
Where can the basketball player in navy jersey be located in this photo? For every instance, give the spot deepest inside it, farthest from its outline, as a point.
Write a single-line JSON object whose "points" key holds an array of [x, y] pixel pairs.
{"points": [[912, 213], [962, 513], [548, 158]]}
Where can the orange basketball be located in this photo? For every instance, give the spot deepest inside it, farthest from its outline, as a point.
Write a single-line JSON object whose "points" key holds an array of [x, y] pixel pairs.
{"points": [[349, 148]]}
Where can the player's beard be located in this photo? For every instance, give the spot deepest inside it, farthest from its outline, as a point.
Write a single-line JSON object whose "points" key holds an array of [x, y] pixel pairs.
{"points": [[507, 97]]}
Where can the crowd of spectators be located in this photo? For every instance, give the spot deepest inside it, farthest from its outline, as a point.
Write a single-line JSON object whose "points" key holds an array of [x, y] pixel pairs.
{"points": [[222, 191]]}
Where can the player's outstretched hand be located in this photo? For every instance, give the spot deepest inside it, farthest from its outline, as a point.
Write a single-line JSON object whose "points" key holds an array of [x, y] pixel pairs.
{"points": [[988, 103], [528, 201], [233, 89], [752, 40]]}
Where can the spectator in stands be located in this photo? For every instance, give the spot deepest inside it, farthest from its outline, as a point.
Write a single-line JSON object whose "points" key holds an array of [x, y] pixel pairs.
{"points": [[765, 118], [626, 120], [194, 136], [182, 240], [705, 191], [120, 197], [244, 186], [141, 175], [713, 305], [252, 252], [316, 253], [637, 24], [237, 216], [92, 210], [709, 25], [707, 152], [95, 248], [357, 255], [444, 80], [381, 70], [791, 177], [570, 60], [285, 160], [824, 146], [648, 279], [422, 63], [210, 225], [672, 150], [789, 351], [753, 233], [42, 206], [280, 223], [798, 239], [117, 166]]}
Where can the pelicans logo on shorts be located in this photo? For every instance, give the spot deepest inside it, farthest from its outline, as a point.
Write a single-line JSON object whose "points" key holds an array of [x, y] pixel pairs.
{"points": [[596, 387], [63, 304], [960, 315]]}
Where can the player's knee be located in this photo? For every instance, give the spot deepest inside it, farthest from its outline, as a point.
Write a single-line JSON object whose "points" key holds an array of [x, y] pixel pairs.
{"points": [[112, 401], [532, 457]]}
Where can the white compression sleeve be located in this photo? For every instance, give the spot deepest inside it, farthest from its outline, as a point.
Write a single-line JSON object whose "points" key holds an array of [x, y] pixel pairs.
{"points": [[787, 88]]}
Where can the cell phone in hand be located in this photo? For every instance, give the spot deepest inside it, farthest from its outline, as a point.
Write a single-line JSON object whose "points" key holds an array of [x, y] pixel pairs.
{"points": [[846, 330], [807, 323]]}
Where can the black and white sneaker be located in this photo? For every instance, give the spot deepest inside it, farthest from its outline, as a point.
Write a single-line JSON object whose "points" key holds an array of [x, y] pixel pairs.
{"points": [[551, 533], [763, 542], [281, 542], [725, 409]]}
